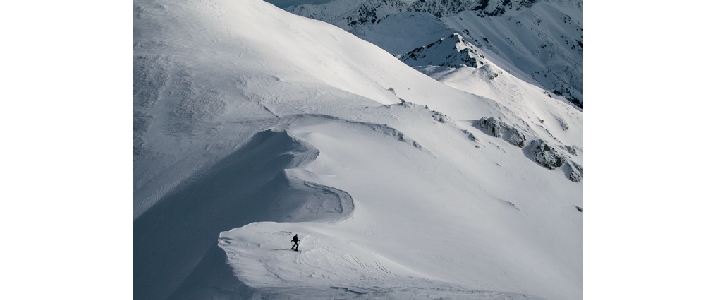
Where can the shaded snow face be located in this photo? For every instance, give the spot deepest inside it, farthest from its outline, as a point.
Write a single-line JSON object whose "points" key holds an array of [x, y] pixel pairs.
{"points": [[248, 185]]}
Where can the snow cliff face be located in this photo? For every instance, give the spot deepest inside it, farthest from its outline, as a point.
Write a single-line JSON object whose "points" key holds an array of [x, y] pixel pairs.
{"points": [[540, 42], [252, 124]]}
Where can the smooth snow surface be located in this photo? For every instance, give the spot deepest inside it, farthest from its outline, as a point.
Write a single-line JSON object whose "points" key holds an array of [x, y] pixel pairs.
{"points": [[252, 124]]}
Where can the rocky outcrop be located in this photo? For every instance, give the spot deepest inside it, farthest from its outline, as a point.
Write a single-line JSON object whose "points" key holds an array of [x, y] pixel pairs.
{"points": [[539, 151], [574, 171], [545, 155], [570, 149], [501, 129], [453, 51], [555, 157]]}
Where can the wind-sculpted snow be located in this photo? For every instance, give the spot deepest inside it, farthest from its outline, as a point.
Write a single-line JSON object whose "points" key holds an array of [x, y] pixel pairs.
{"points": [[251, 123], [248, 185], [297, 121], [334, 254], [256, 183], [334, 201]]}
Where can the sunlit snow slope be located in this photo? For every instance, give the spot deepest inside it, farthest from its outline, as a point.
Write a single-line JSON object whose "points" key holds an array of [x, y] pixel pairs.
{"points": [[252, 124]]}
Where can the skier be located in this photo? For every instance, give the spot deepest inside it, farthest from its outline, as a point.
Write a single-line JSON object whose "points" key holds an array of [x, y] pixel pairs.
{"points": [[295, 240]]}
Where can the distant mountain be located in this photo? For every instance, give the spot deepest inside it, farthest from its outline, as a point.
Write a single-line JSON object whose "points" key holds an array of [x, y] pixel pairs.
{"points": [[540, 41], [352, 13]]}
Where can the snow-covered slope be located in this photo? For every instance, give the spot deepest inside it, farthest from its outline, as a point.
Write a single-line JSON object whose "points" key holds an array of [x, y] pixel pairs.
{"points": [[540, 42], [458, 63], [251, 123], [544, 42]]}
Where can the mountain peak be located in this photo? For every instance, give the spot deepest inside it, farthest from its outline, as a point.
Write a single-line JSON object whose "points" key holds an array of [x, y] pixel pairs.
{"points": [[453, 51]]}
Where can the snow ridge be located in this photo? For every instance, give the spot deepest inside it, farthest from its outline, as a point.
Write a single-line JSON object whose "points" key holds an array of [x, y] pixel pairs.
{"points": [[175, 233]]}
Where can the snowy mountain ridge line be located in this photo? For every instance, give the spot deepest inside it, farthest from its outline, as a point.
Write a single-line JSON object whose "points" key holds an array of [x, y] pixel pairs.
{"points": [[521, 41], [542, 45], [350, 13], [251, 122], [454, 52]]}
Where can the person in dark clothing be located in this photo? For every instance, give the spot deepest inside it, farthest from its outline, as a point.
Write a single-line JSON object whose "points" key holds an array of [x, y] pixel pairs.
{"points": [[295, 240]]}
